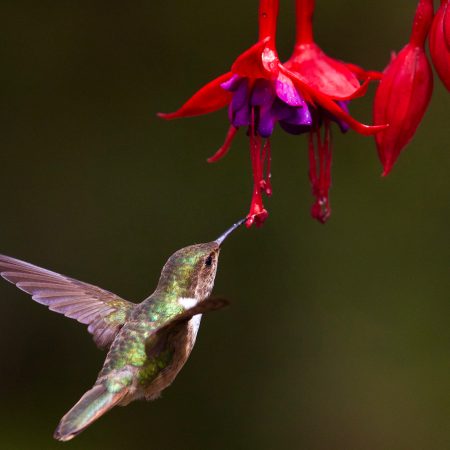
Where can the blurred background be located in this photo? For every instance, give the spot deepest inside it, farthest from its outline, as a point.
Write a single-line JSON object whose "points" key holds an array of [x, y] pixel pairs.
{"points": [[338, 335]]}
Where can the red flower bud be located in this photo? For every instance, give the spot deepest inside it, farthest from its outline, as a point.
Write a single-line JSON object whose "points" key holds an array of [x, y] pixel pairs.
{"points": [[404, 91], [440, 42]]}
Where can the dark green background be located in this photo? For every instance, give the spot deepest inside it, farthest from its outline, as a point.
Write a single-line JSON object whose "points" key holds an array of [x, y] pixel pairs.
{"points": [[338, 337]]}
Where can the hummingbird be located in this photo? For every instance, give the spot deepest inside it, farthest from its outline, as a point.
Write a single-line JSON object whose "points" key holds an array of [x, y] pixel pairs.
{"points": [[148, 343]]}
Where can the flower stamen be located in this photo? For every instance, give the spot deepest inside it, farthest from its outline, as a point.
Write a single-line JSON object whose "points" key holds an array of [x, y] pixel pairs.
{"points": [[258, 214], [266, 185], [320, 156]]}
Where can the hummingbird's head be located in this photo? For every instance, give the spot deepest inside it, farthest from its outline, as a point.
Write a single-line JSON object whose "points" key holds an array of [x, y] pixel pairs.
{"points": [[191, 270]]}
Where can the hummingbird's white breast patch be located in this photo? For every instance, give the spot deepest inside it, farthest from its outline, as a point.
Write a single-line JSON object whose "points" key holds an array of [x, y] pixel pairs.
{"points": [[187, 302], [194, 325]]}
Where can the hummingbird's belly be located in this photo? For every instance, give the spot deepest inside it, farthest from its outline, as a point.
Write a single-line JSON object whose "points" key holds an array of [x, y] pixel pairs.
{"points": [[181, 343]]}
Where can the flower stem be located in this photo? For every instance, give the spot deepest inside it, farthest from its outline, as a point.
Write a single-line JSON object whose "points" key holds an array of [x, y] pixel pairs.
{"points": [[268, 14], [304, 18]]}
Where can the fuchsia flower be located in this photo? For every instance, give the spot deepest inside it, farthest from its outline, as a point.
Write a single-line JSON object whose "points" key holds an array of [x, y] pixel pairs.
{"points": [[257, 96], [405, 91], [328, 85], [440, 42], [303, 95]]}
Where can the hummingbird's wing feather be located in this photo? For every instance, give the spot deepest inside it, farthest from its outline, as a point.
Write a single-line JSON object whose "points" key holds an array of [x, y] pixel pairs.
{"points": [[103, 311], [208, 305], [159, 334]]}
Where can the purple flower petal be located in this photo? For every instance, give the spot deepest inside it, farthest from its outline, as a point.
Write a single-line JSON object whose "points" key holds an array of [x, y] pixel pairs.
{"points": [[272, 102], [294, 129], [342, 125], [240, 96], [267, 121], [293, 120], [281, 110], [239, 117], [232, 84], [263, 93], [239, 109], [301, 116], [293, 115], [287, 92]]}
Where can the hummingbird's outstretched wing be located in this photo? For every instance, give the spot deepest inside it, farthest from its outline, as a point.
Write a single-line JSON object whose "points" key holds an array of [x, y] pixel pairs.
{"points": [[160, 333], [103, 311]]}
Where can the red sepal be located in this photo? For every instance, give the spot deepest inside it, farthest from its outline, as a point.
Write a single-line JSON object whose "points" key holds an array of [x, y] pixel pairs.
{"points": [[360, 92], [225, 147], [331, 106], [363, 74], [325, 74], [209, 98]]}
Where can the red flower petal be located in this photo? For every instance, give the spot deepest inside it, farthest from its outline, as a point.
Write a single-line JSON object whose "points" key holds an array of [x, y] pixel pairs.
{"points": [[209, 98]]}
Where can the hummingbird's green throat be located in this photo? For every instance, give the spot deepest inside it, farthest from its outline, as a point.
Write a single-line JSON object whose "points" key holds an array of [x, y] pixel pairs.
{"points": [[147, 343]]}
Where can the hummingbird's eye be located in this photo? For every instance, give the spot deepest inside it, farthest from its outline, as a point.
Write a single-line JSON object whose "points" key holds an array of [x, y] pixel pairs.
{"points": [[208, 261]]}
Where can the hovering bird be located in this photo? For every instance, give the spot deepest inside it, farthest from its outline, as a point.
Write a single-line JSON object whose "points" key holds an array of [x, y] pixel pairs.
{"points": [[148, 343]]}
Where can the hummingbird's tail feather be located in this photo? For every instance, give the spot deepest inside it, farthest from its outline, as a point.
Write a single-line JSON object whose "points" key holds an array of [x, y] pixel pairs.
{"points": [[94, 403]]}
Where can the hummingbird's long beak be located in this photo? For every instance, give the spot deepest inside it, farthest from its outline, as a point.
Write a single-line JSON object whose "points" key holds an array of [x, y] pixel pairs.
{"points": [[221, 238]]}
